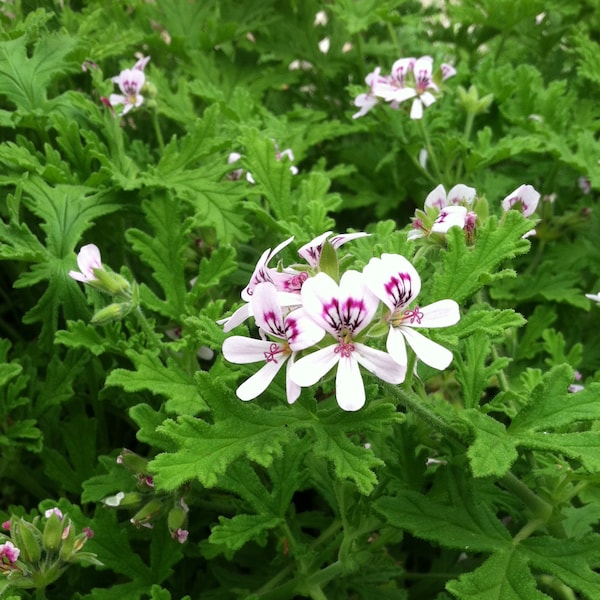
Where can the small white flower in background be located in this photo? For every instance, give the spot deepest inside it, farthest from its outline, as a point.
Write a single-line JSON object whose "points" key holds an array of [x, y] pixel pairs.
{"points": [[300, 65], [394, 280], [130, 82], [584, 185], [287, 334], [524, 197], [343, 311], [88, 259], [347, 47], [324, 45], [320, 18], [452, 208], [367, 101], [594, 297], [115, 500]]}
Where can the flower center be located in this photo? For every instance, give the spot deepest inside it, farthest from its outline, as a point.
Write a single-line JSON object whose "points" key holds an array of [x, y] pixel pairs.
{"points": [[274, 350]]}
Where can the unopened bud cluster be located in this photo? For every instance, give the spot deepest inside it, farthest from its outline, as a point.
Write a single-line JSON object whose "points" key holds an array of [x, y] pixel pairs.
{"points": [[148, 503], [35, 554]]}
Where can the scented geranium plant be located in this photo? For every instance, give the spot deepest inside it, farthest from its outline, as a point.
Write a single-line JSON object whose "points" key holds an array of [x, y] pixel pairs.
{"points": [[300, 300]]}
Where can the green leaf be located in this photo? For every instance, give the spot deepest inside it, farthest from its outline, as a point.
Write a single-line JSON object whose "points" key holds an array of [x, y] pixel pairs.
{"points": [[272, 176], [82, 335], [167, 379], [205, 451], [551, 406], [465, 523], [571, 560], [585, 446], [24, 79], [468, 269], [493, 451], [492, 321], [235, 532], [503, 576], [350, 460], [220, 264], [472, 372], [164, 251]]}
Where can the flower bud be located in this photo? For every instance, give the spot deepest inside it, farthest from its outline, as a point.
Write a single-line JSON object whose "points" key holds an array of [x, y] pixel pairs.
{"points": [[110, 313], [328, 261], [134, 462], [27, 538], [52, 535], [176, 519], [471, 101], [147, 512], [67, 547], [110, 283]]}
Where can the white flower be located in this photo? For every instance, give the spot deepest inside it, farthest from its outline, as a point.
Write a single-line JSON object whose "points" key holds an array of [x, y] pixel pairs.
{"points": [[524, 197], [320, 18], [343, 311], [594, 297], [394, 280], [130, 82], [88, 259], [291, 333], [324, 45]]}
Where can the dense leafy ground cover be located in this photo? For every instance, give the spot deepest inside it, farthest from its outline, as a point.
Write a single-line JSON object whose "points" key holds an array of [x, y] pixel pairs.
{"points": [[424, 423]]}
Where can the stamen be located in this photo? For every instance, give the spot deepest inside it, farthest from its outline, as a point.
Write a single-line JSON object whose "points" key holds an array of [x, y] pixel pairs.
{"points": [[273, 350], [414, 315], [344, 348]]}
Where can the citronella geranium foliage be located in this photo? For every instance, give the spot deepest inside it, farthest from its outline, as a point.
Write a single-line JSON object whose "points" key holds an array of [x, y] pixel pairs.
{"points": [[205, 393]]}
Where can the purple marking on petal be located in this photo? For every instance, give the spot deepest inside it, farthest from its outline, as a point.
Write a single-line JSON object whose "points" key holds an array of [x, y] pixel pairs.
{"points": [[399, 289], [291, 329], [274, 325], [331, 314], [353, 313]]}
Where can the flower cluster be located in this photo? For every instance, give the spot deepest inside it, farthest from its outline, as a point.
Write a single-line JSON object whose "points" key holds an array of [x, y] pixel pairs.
{"points": [[410, 79], [307, 307], [457, 208]]}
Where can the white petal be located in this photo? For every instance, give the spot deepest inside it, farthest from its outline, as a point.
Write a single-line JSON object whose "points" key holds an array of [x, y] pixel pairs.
{"points": [[526, 196], [319, 292], [380, 364], [349, 387], [396, 346], [399, 95], [311, 252], [341, 238], [461, 193], [301, 331], [416, 110], [309, 369], [89, 259], [239, 316], [259, 382], [436, 198], [427, 98], [266, 309], [450, 216], [393, 279], [116, 99], [440, 314], [357, 303], [292, 390], [242, 350], [430, 352]]}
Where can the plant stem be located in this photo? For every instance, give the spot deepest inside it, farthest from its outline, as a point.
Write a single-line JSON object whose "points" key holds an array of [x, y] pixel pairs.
{"points": [[430, 153], [159, 136]]}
